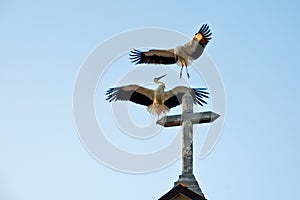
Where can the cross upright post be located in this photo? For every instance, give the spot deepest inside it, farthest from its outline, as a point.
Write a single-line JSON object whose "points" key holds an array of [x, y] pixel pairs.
{"points": [[187, 136], [186, 120]]}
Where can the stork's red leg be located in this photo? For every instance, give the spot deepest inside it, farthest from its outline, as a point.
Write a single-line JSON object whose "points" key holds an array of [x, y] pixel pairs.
{"points": [[180, 75], [187, 72]]}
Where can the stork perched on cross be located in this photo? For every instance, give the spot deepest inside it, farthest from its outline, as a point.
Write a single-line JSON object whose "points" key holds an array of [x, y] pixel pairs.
{"points": [[158, 101]]}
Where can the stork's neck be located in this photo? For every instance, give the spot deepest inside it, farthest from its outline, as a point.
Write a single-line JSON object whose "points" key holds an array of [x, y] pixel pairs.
{"points": [[161, 85]]}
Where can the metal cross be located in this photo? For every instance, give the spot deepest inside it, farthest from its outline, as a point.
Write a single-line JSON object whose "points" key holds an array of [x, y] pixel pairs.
{"points": [[186, 120]]}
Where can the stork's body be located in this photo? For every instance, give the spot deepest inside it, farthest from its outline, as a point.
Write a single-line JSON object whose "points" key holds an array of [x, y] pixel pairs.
{"points": [[183, 56], [158, 107], [158, 101]]}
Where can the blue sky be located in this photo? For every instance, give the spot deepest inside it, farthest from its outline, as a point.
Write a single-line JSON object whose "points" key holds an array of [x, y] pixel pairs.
{"points": [[255, 46]]}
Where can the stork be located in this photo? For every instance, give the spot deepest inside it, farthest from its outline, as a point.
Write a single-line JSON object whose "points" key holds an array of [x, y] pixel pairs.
{"points": [[158, 101], [183, 56]]}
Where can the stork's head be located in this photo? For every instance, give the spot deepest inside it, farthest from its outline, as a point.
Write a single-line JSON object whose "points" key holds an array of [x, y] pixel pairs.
{"points": [[156, 80]]}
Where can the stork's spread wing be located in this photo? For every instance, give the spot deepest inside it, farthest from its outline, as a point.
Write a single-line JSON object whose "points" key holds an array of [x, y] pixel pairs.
{"points": [[134, 93], [195, 47], [153, 57], [174, 97]]}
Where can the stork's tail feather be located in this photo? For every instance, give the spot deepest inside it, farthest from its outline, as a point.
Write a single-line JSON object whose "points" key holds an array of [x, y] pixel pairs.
{"points": [[158, 109]]}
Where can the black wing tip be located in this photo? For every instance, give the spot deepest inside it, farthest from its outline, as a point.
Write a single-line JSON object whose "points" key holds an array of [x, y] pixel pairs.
{"points": [[200, 90], [135, 51], [111, 94], [205, 31], [109, 98], [200, 94], [135, 56], [110, 90]]}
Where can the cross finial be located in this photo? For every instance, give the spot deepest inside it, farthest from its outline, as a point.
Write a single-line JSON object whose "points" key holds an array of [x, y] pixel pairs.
{"points": [[186, 120]]}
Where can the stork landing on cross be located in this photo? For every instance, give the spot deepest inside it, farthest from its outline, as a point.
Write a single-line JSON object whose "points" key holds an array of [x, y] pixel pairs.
{"points": [[186, 120]]}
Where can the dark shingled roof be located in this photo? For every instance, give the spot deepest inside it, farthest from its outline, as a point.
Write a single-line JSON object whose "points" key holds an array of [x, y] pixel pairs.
{"points": [[181, 189]]}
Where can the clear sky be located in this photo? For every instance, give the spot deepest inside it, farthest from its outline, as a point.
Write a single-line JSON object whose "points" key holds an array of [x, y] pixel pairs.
{"points": [[255, 47]]}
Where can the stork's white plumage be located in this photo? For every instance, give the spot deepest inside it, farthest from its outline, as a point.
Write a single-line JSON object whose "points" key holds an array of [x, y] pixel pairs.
{"points": [[157, 101], [183, 56]]}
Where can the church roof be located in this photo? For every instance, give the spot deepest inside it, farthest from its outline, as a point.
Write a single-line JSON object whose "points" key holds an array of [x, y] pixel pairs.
{"points": [[181, 192]]}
